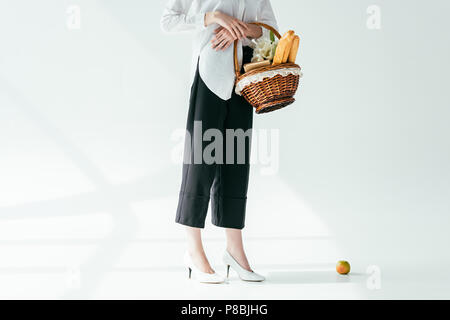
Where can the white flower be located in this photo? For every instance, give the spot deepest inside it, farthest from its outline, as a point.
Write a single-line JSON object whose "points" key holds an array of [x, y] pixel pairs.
{"points": [[264, 49], [257, 58]]}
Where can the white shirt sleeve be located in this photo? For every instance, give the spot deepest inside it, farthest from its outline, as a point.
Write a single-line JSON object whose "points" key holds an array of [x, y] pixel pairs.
{"points": [[266, 15], [179, 16]]}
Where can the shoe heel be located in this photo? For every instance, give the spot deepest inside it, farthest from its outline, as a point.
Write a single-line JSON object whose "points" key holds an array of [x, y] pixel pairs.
{"points": [[228, 271], [190, 273]]}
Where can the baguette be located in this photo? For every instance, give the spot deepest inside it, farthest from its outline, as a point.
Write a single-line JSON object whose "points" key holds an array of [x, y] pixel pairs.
{"points": [[279, 53], [288, 34], [290, 41], [254, 65], [282, 48], [294, 49]]}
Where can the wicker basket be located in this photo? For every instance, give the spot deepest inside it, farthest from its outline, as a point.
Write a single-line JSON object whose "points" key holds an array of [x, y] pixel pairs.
{"points": [[271, 92]]}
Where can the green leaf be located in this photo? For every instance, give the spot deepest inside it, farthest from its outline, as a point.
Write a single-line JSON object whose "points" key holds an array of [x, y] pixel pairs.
{"points": [[274, 50], [272, 36]]}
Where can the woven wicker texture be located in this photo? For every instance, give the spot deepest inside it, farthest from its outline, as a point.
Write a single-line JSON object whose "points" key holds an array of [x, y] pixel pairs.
{"points": [[271, 93]]}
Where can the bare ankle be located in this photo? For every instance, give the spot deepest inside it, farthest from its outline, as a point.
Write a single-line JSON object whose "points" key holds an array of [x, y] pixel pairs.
{"points": [[234, 250], [239, 255], [200, 260]]}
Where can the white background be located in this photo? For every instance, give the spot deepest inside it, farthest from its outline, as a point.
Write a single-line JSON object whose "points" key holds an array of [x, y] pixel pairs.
{"points": [[88, 187]]}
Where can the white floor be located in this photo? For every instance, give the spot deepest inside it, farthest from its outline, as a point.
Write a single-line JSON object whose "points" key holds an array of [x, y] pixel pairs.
{"points": [[79, 222], [140, 280], [121, 242], [99, 256]]}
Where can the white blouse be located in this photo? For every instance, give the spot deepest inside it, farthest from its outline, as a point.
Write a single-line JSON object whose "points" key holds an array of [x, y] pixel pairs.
{"points": [[216, 68]]}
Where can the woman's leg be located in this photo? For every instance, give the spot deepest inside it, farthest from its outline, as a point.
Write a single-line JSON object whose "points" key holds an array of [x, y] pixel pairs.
{"points": [[229, 190], [206, 111], [232, 183], [195, 249], [235, 247]]}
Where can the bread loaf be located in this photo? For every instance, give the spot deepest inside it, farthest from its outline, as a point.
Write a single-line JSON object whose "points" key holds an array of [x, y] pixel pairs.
{"points": [[290, 41], [254, 65], [283, 48], [288, 34], [294, 49], [279, 53]]}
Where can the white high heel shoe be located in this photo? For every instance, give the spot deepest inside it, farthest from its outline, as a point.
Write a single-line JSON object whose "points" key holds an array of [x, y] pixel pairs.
{"points": [[200, 276], [243, 273]]}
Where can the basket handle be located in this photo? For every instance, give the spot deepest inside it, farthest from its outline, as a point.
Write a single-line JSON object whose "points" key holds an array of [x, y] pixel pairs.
{"points": [[236, 63]]}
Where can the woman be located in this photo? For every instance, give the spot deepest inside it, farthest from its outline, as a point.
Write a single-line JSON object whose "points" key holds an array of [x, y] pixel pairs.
{"points": [[214, 105]]}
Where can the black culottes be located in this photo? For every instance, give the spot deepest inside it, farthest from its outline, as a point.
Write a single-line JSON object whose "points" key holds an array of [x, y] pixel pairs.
{"points": [[225, 181]]}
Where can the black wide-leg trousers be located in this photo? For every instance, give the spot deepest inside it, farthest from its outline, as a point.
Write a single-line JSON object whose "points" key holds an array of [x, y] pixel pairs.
{"points": [[223, 183]]}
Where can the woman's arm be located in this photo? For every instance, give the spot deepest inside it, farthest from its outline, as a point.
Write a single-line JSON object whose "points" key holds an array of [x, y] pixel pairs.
{"points": [[176, 17], [223, 39], [235, 27]]}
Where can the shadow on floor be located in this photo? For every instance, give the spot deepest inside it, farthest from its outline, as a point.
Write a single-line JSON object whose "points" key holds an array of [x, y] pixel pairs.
{"points": [[313, 277]]}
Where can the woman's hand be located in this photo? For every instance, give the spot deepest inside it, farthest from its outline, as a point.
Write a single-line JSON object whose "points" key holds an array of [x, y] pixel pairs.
{"points": [[222, 40], [234, 26], [254, 31]]}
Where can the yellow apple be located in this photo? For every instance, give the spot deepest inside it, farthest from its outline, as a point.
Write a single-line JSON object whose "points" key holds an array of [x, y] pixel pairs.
{"points": [[343, 267]]}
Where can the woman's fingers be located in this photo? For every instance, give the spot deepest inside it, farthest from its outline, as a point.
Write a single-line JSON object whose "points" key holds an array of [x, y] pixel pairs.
{"points": [[225, 35], [241, 26], [217, 39], [217, 45], [229, 43], [231, 26], [231, 30], [237, 31], [222, 45], [220, 36], [235, 26], [242, 29]]}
